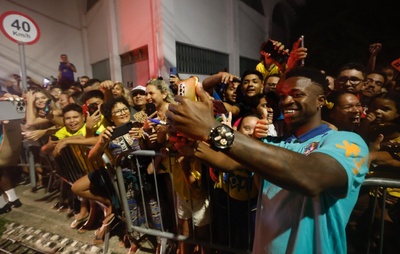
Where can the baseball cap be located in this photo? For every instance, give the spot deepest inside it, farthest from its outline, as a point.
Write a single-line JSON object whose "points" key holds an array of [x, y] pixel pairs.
{"points": [[138, 89]]}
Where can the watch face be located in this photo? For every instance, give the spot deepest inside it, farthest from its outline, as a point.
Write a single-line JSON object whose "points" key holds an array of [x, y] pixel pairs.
{"points": [[222, 137]]}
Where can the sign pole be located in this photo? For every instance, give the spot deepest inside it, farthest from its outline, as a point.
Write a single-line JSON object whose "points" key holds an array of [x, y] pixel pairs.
{"points": [[21, 49]]}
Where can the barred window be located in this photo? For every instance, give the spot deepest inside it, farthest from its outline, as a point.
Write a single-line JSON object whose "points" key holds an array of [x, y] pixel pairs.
{"points": [[196, 60]]}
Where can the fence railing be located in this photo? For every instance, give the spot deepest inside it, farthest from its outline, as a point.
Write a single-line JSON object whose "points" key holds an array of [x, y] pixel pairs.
{"points": [[139, 217]]}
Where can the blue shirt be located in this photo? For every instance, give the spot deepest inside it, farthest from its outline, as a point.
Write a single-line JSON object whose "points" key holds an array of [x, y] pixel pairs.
{"points": [[67, 75], [289, 222]]}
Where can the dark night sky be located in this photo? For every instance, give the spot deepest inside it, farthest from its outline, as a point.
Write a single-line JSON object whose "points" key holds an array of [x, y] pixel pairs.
{"points": [[339, 31]]}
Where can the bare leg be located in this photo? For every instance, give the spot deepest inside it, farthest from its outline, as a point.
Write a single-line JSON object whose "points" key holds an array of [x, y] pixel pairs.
{"points": [[184, 228], [81, 188]]}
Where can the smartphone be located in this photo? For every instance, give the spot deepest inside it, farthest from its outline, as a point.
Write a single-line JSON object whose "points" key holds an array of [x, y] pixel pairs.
{"points": [[302, 46], [219, 107], [46, 82], [173, 71], [47, 107], [11, 110], [92, 107], [280, 57], [187, 87], [122, 130], [150, 108]]}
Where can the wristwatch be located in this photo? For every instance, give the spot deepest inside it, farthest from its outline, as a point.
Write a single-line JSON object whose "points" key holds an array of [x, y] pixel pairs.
{"points": [[221, 137]]}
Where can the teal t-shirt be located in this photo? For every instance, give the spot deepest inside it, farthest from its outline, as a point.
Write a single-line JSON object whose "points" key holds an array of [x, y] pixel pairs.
{"points": [[289, 222]]}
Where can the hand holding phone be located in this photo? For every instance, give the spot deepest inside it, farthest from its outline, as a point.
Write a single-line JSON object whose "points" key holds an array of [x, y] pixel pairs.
{"points": [[47, 107], [187, 87], [150, 109], [122, 130], [11, 110], [276, 52], [92, 107], [173, 71]]}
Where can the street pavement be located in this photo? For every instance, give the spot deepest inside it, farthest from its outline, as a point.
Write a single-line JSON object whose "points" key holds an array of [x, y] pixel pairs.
{"points": [[37, 225]]}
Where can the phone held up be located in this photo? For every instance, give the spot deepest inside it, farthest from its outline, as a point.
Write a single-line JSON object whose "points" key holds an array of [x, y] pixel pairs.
{"points": [[173, 71], [122, 130], [150, 108], [91, 108], [11, 110], [47, 107], [280, 56], [187, 87], [302, 46]]}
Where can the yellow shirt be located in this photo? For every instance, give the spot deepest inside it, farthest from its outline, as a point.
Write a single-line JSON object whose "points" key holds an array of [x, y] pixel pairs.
{"points": [[64, 133], [180, 185], [239, 184], [100, 126], [265, 72]]}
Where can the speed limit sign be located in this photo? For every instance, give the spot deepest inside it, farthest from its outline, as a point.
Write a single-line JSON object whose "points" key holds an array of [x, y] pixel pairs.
{"points": [[19, 28]]}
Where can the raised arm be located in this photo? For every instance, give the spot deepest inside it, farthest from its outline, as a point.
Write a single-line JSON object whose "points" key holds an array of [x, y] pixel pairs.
{"points": [[309, 175], [221, 77], [374, 50]]}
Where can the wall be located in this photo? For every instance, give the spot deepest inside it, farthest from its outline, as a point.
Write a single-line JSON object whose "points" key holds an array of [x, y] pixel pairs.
{"points": [[59, 23], [227, 26]]}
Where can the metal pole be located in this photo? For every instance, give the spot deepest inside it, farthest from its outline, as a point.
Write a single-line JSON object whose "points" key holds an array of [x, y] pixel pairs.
{"points": [[21, 49]]}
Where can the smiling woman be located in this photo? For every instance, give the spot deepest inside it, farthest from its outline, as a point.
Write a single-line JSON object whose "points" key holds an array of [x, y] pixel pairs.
{"points": [[343, 110]]}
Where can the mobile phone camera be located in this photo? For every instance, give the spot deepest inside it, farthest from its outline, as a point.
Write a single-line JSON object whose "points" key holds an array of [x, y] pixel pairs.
{"points": [[21, 106]]}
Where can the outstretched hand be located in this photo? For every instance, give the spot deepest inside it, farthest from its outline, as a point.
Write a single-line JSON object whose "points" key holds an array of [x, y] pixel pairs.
{"points": [[192, 119]]}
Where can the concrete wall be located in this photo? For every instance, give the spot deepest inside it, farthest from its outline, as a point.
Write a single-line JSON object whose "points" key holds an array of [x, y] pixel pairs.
{"points": [[114, 27]]}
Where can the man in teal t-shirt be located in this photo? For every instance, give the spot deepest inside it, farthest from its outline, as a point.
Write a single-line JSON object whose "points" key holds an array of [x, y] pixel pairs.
{"points": [[311, 180]]}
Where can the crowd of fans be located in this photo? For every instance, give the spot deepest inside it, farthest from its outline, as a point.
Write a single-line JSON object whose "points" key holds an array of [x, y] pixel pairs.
{"points": [[360, 98]]}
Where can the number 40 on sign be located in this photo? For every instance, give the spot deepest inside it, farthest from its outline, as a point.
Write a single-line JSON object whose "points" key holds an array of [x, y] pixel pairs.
{"points": [[19, 28]]}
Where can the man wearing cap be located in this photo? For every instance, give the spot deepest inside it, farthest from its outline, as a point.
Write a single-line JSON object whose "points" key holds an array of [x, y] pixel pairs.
{"points": [[138, 94]]}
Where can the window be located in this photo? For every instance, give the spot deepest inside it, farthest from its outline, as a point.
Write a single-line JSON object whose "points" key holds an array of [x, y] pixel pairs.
{"points": [[247, 64], [196, 60]]}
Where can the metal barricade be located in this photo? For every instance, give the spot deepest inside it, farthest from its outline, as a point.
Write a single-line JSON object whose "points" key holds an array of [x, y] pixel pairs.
{"points": [[165, 236], [73, 163], [379, 185]]}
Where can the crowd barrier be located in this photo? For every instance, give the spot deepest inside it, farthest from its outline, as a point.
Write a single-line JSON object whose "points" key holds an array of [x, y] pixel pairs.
{"points": [[379, 185], [164, 233], [139, 219], [73, 164]]}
